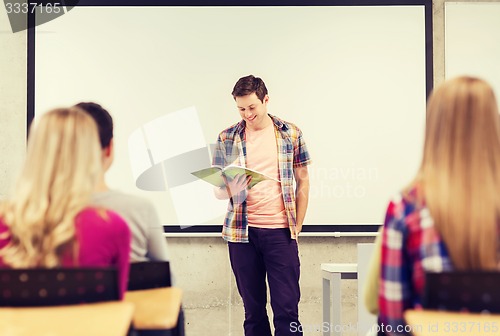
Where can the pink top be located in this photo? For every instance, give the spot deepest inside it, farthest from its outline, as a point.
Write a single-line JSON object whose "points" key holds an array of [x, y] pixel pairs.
{"points": [[103, 239], [265, 201]]}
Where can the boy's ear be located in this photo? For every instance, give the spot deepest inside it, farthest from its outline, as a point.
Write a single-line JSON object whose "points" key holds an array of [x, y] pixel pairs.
{"points": [[109, 149]]}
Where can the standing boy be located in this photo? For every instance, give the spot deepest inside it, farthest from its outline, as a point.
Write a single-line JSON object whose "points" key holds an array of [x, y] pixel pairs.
{"points": [[262, 223]]}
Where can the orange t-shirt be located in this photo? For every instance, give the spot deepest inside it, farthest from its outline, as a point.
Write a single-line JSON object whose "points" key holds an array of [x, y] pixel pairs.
{"points": [[264, 201]]}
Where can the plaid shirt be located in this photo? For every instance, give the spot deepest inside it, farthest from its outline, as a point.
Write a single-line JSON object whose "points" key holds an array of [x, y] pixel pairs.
{"points": [[231, 149], [411, 246]]}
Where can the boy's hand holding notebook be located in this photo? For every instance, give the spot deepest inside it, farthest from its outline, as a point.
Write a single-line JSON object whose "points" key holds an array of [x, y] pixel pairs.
{"points": [[215, 175]]}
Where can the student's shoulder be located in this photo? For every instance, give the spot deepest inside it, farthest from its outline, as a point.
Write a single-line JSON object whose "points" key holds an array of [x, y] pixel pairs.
{"points": [[413, 198], [118, 199], [287, 126], [131, 198], [102, 224], [230, 131], [98, 215], [402, 204], [409, 209]]}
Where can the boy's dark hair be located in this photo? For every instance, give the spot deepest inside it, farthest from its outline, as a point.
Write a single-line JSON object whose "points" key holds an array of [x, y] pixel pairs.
{"points": [[248, 85], [103, 120]]}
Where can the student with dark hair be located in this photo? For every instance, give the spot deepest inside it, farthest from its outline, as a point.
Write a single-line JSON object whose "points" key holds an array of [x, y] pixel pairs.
{"points": [[148, 242], [262, 224], [447, 218]]}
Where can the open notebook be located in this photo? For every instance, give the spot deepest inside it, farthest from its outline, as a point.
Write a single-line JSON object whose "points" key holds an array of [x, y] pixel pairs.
{"points": [[214, 175]]}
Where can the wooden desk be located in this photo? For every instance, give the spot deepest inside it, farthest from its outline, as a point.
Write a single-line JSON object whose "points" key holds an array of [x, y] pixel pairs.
{"points": [[100, 319], [432, 323], [156, 308]]}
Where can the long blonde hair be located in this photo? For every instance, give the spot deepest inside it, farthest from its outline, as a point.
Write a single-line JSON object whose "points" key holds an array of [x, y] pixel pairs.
{"points": [[60, 172], [460, 171]]}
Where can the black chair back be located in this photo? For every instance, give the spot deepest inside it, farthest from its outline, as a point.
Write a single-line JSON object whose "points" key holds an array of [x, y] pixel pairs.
{"points": [[57, 286], [462, 291], [149, 274]]}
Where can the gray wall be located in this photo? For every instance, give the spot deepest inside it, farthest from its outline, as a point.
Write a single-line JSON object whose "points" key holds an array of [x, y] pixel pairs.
{"points": [[200, 264]]}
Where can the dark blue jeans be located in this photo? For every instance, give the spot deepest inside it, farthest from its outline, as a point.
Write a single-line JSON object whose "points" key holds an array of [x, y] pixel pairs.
{"points": [[273, 253]]}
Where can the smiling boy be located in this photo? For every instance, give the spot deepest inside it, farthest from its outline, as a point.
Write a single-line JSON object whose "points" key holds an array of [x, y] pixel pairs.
{"points": [[262, 224]]}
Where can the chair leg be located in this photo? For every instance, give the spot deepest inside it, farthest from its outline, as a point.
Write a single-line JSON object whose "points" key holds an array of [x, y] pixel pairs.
{"points": [[180, 329], [131, 331]]}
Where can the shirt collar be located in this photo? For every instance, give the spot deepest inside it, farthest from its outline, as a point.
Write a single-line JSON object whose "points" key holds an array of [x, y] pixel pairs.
{"points": [[240, 128]]}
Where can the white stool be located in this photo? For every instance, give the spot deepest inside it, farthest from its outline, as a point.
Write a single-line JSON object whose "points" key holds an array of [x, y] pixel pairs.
{"points": [[332, 274]]}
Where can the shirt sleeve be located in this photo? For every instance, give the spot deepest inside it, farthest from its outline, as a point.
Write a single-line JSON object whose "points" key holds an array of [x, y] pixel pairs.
{"points": [[395, 276], [301, 154], [219, 155], [157, 244]]}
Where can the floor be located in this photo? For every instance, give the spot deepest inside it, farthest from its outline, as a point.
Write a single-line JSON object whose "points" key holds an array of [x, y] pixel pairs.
{"points": [[222, 321]]}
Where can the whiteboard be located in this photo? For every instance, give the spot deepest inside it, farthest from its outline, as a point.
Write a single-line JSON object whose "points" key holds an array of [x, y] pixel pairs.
{"points": [[472, 41], [351, 77]]}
